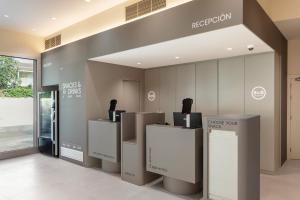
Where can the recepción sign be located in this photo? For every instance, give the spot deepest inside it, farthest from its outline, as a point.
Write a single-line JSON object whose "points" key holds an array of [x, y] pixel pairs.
{"points": [[212, 20]]}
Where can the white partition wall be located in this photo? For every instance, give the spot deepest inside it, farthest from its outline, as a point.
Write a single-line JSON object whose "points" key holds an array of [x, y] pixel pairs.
{"points": [[231, 86], [185, 84], [223, 182], [167, 99], [207, 87], [238, 85], [260, 74], [152, 76]]}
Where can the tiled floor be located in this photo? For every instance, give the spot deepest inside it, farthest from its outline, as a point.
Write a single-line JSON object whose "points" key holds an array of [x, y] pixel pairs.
{"points": [[285, 185], [38, 177]]}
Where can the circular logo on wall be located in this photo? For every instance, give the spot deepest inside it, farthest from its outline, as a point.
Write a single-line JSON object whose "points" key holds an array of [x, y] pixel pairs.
{"points": [[258, 93], [151, 95]]}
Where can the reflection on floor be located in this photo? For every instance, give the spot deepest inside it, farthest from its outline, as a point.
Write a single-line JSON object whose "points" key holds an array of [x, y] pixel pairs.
{"points": [[16, 137], [285, 185], [38, 177]]}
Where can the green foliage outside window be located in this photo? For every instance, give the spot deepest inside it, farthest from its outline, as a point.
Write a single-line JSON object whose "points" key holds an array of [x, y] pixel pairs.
{"points": [[8, 73], [10, 80]]}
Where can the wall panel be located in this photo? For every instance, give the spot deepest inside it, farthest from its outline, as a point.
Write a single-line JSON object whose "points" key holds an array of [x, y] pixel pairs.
{"points": [[185, 85], [231, 86], [226, 85], [152, 83], [207, 87], [168, 92], [260, 72], [131, 95]]}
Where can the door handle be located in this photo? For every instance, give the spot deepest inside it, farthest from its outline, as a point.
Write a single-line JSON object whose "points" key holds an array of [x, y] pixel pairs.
{"points": [[297, 79]]}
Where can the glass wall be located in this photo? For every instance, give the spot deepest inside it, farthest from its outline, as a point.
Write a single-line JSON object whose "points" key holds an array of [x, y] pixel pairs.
{"points": [[16, 103]]}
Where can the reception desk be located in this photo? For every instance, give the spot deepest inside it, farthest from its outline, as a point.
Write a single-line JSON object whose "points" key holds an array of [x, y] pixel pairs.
{"points": [[104, 143], [133, 144], [232, 157], [177, 154]]}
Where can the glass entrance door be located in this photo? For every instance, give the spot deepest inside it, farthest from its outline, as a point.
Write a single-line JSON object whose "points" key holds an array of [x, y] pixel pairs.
{"points": [[16, 104]]}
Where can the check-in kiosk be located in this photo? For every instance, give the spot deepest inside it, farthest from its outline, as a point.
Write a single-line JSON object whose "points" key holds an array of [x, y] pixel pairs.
{"points": [[104, 140], [176, 152], [104, 143], [133, 144], [232, 157]]}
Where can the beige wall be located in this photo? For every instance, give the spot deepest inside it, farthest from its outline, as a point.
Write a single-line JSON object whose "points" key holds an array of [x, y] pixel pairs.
{"points": [[21, 45], [103, 21], [281, 9]]}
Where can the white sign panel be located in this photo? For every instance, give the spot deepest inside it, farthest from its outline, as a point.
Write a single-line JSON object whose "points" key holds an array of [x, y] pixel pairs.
{"points": [[258, 93], [72, 90], [151, 96]]}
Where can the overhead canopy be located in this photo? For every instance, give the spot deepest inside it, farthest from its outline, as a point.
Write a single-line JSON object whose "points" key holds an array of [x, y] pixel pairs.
{"points": [[222, 43]]}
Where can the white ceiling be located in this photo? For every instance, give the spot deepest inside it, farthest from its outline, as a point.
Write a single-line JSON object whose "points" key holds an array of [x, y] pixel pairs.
{"points": [[200, 47], [34, 16], [289, 28]]}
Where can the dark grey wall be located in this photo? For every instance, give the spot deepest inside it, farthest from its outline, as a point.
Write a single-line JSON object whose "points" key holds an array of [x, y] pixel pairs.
{"points": [[105, 82], [67, 65], [167, 25], [256, 19]]}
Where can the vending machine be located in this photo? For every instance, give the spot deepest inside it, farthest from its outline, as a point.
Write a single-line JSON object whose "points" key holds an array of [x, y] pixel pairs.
{"points": [[48, 126]]}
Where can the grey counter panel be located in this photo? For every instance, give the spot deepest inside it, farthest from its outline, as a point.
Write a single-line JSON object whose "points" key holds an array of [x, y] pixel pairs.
{"points": [[104, 140], [133, 144], [175, 152]]}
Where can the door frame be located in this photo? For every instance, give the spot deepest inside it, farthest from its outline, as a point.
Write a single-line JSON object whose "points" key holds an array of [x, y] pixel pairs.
{"points": [[34, 149], [289, 131]]}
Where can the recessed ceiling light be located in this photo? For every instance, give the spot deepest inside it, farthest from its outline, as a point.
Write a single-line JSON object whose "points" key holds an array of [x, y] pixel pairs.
{"points": [[53, 18], [6, 16], [88, 1], [229, 49], [177, 57], [139, 63]]}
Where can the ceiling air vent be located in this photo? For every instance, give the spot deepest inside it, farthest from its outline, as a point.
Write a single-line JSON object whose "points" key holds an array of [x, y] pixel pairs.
{"points": [[131, 11], [53, 42], [158, 4], [144, 7]]}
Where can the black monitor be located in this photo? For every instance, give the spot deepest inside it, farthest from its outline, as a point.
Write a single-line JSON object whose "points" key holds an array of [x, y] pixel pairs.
{"points": [[118, 115], [195, 119]]}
